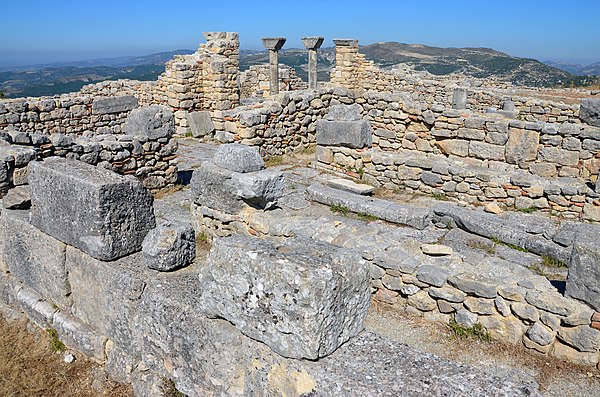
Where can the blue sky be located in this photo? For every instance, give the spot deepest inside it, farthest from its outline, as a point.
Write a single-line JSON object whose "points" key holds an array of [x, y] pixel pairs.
{"points": [[54, 30]]}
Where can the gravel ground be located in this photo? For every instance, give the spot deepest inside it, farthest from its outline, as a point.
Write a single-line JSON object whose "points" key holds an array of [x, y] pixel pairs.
{"points": [[556, 378]]}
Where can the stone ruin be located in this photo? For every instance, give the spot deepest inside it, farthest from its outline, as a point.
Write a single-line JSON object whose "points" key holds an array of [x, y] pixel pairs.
{"points": [[277, 305]]}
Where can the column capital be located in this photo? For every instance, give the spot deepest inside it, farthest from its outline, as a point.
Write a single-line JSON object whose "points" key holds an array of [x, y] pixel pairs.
{"points": [[273, 43], [312, 42], [345, 42]]}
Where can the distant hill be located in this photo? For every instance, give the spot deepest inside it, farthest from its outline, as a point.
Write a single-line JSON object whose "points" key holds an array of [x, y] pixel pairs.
{"points": [[476, 62], [57, 78], [576, 69]]}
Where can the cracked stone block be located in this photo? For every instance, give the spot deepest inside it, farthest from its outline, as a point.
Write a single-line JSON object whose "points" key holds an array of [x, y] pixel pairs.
{"points": [[302, 298], [153, 122], [200, 123], [96, 210]]}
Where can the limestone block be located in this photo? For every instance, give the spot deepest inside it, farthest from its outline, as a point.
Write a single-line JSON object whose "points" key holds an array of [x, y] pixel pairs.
{"points": [[344, 113], [225, 190], [169, 246], [153, 122], [459, 98], [353, 134], [238, 158], [350, 186], [522, 146], [589, 111], [106, 295], [455, 147], [200, 123], [584, 267], [303, 298], [584, 338], [80, 336], [117, 104], [91, 208], [17, 198], [33, 257]]}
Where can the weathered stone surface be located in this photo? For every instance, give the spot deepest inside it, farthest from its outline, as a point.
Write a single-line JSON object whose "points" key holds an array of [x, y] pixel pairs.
{"points": [[153, 122], [459, 98], [584, 338], [106, 295], [480, 306], [350, 186], [344, 113], [553, 302], [259, 189], [33, 257], [238, 158], [100, 212], [169, 246], [474, 284], [17, 198], [303, 298], [541, 334], [353, 134], [584, 268], [200, 123], [567, 353], [432, 275], [117, 104], [454, 147], [417, 217], [436, 249], [422, 301], [448, 293], [77, 335], [466, 318], [525, 312], [522, 146], [589, 111]]}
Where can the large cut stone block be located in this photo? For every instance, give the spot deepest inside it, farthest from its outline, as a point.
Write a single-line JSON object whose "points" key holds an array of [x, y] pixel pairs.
{"points": [[153, 122], [200, 123], [522, 146], [96, 210], [459, 98], [583, 281], [303, 298], [113, 104], [107, 295], [33, 257], [238, 158], [353, 134], [589, 111], [225, 190]]}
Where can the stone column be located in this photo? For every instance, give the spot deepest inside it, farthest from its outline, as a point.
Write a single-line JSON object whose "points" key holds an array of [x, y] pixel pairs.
{"points": [[274, 44], [345, 72], [312, 44]]}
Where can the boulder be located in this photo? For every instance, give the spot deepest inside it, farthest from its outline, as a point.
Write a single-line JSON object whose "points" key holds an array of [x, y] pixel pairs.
{"points": [[153, 122], [96, 210], [238, 158], [302, 298], [589, 111], [170, 246]]}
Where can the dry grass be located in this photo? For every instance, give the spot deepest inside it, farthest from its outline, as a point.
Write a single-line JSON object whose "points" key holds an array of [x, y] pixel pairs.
{"points": [[161, 193], [29, 368]]}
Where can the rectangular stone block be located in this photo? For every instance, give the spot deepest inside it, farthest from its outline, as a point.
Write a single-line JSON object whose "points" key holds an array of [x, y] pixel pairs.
{"points": [[353, 134], [583, 281], [110, 105], [33, 257], [200, 123], [106, 295], [96, 210], [302, 298]]}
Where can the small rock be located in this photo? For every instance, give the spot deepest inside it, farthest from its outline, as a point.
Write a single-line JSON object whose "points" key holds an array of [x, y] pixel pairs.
{"points": [[409, 290], [493, 208], [69, 358], [17, 198], [169, 247], [436, 249], [465, 318]]}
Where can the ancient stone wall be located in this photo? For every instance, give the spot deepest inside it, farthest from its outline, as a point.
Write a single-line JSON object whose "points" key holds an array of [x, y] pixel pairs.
{"points": [[254, 82], [67, 114]]}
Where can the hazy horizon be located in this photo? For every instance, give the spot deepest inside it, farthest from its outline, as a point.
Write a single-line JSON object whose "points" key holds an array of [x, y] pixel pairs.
{"points": [[72, 31]]}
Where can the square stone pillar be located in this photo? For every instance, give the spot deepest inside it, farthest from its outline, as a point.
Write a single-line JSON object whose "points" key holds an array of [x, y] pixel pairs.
{"points": [[345, 72], [312, 44], [274, 44]]}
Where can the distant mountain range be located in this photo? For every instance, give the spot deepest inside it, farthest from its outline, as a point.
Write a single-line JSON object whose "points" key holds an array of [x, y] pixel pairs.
{"points": [[576, 69], [56, 78]]}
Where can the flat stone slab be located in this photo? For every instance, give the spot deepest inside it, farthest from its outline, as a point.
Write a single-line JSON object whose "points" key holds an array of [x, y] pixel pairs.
{"points": [[352, 134], [302, 298], [108, 105], [417, 217], [200, 123], [350, 186], [96, 210]]}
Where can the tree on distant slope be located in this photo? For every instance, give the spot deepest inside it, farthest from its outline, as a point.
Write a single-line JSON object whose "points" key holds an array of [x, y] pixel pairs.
{"points": [[1, 94]]}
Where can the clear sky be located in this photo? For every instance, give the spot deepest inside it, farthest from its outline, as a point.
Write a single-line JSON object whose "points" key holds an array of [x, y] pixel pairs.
{"points": [[55, 30]]}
